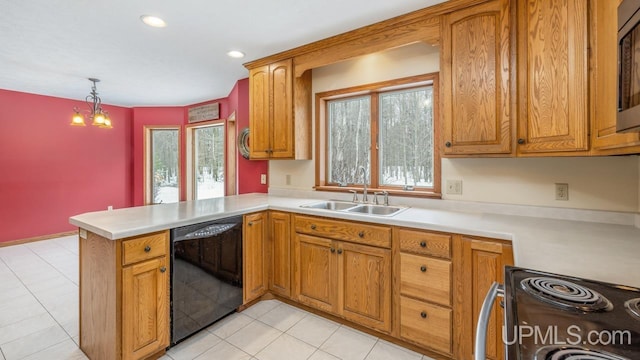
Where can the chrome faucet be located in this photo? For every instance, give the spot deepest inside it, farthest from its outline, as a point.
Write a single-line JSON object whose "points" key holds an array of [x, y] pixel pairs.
{"points": [[362, 170]]}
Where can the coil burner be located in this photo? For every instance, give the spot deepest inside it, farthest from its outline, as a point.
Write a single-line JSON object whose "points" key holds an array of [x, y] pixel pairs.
{"points": [[574, 353], [566, 294], [633, 307]]}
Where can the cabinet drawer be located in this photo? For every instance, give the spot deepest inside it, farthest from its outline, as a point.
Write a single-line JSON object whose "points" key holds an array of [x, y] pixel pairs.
{"points": [[425, 278], [144, 247], [342, 230], [425, 324], [425, 243]]}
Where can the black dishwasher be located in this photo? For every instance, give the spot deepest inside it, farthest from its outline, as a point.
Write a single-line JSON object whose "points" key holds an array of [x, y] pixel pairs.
{"points": [[206, 274]]}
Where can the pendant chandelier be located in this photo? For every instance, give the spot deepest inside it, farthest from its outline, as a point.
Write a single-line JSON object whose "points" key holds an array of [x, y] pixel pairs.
{"points": [[100, 117]]}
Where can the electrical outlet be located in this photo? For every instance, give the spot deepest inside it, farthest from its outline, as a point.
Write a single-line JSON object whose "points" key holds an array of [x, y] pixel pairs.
{"points": [[562, 191], [263, 179], [454, 187]]}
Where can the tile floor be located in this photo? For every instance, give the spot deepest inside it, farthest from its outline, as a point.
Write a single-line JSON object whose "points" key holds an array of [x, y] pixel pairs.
{"points": [[39, 319]]}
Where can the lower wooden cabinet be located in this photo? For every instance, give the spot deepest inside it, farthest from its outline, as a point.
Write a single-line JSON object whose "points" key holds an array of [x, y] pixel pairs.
{"points": [[124, 296], [349, 280], [280, 253], [254, 245], [481, 262], [425, 323]]}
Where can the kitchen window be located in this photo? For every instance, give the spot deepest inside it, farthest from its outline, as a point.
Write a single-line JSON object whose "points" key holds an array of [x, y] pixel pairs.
{"points": [[207, 161], [162, 165], [387, 128]]}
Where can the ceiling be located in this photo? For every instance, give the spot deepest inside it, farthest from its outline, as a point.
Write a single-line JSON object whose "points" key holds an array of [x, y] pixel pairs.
{"points": [[51, 47]]}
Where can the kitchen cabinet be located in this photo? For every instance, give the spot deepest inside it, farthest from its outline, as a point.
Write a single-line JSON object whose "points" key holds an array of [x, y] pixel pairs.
{"points": [[552, 48], [423, 290], [481, 262], [279, 112], [124, 296], [280, 253], [475, 71], [254, 244], [336, 272], [604, 30]]}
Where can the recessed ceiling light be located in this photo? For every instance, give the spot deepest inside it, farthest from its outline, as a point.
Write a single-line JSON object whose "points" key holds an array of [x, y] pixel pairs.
{"points": [[236, 54], [153, 21]]}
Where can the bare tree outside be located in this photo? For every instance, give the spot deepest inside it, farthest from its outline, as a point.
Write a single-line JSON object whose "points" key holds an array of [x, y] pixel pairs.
{"points": [[406, 137], [164, 165], [209, 161], [349, 140]]}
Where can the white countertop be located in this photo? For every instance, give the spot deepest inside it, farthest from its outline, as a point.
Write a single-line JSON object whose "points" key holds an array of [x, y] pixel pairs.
{"points": [[605, 252]]}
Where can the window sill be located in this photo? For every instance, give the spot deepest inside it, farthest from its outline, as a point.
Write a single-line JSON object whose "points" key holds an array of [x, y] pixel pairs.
{"points": [[392, 192]]}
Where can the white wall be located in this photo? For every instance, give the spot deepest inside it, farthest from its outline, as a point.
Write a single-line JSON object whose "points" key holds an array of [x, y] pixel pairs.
{"points": [[602, 183]]}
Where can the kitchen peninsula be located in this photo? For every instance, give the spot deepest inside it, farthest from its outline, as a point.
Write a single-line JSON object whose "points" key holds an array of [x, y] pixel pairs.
{"points": [[451, 239]]}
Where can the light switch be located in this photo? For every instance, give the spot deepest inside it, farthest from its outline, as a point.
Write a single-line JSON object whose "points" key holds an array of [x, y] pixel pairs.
{"points": [[263, 179]]}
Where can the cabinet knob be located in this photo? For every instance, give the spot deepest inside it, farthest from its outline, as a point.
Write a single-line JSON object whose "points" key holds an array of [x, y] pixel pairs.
{"points": [[163, 269], [423, 244], [339, 251], [361, 234], [447, 144], [520, 141], [333, 250], [313, 226], [147, 248], [423, 314], [250, 223], [423, 268]]}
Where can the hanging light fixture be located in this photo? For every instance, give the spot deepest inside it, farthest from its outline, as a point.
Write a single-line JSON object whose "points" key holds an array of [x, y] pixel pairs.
{"points": [[100, 117]]}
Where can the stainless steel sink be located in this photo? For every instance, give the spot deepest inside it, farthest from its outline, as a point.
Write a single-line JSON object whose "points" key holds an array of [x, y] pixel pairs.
{"points": [[376, 210], [331, 205], [364, 209]]}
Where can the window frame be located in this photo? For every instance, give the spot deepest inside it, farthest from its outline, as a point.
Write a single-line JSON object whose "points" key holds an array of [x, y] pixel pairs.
{"points": [[190, 160], [373, 90], [147, 168]]}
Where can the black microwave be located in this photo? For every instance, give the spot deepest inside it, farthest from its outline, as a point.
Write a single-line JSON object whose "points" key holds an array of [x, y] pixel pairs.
{"points": [[628, 119]]}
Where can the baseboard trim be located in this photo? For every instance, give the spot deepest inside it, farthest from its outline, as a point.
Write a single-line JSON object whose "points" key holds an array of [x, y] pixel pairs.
{"points": [[37, 238]]}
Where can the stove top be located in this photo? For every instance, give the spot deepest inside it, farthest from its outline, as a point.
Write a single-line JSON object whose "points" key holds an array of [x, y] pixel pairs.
{"points": [[555, 317]]}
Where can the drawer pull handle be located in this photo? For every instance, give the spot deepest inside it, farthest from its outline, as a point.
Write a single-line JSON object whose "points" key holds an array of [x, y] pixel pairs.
{"points": [[313, 226], [423, 268], [423, 244], [163, 269], [147, 248], [333, 250], [339, 251], [423, 314], [361, 234]]}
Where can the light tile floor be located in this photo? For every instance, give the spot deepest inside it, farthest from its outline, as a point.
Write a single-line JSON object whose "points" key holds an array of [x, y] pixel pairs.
{"points": [[39, 319]]}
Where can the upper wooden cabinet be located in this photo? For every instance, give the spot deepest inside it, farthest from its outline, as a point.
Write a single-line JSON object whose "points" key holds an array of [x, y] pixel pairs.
{"points": [[553, 84], [475, 74], [279, 112]]}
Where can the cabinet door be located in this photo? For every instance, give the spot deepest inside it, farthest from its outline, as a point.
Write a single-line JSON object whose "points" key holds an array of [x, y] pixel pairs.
{"points": [[280, 253], [315, 272], [482, 263], [364, 285], [259, 113], [604, 43], [254, 248], [552, 67], [475, 70], [281, 126], [145, 308]]}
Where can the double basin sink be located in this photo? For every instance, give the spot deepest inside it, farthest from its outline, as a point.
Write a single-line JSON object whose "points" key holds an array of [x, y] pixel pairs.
{"points": [[366, 209]]}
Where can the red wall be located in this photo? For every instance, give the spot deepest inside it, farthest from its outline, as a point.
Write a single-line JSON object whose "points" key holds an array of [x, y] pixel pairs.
{"points": [[248, 170], [50, 170]]}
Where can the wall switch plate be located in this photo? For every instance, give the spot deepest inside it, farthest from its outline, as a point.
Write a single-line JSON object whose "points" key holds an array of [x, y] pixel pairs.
{"points": [[454, 187], [263, 179], [562, 191]]}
